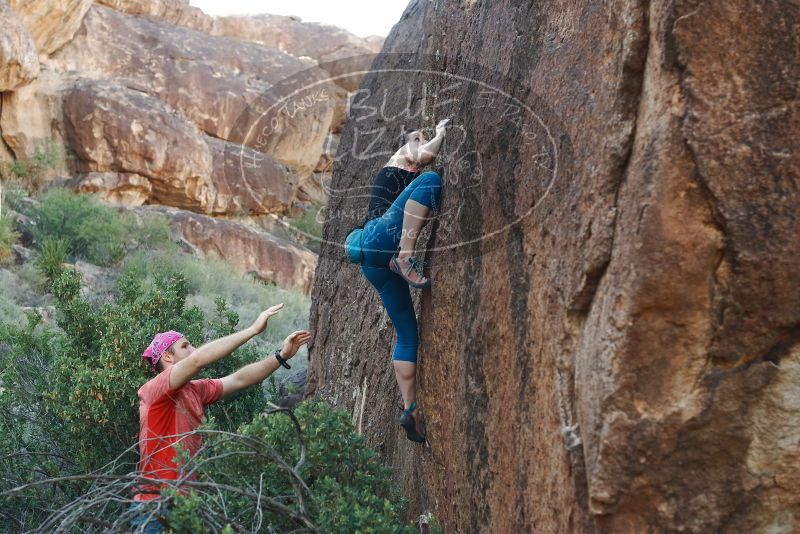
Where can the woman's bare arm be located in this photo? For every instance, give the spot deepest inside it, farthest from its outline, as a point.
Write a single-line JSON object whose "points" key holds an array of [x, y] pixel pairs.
{"points": [[428, 152]]}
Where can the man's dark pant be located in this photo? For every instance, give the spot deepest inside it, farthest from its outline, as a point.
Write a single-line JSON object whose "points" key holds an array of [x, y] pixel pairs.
{"points": [[145, 518]]}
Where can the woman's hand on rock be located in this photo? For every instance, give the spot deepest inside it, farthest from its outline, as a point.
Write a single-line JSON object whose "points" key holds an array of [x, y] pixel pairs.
{"points": [[440, 127]]}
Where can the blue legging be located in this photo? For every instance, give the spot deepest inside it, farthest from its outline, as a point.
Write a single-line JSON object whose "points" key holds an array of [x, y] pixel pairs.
{"points": [[381, 241]]}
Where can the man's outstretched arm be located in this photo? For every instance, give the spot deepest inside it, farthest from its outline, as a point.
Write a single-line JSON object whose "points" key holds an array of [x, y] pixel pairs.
{"points": [[186, 369], [257, 372]]}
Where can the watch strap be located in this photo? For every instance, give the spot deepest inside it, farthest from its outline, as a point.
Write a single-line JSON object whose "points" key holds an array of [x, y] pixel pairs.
{"points": [[281, 360]]}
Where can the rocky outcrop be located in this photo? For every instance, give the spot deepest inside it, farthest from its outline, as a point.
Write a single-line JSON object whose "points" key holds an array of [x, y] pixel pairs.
{"points": [[173, 11], [19, 63], [269, 105], [52, 23], [611, 340], [242, 182], [133, 149], [246, 249], [248, 182], [325, 43], [32, 116], [111, 128], [225, 87]]}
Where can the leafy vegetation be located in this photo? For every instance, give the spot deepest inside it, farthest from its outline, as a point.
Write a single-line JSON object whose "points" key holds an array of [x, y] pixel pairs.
{"points": [[68, 392], [346, 488], [8, 237], [68, 406], [93, 231]]}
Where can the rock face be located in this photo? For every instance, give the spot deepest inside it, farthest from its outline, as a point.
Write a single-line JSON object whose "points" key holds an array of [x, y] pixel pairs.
{"points": [[32, 114], [246, 249], [173, 11], [116, 129], [249, 182], [222, 85], [242, 182], [250, 90], [19, 63], [611, 341], [52, 23], [324, 43]]}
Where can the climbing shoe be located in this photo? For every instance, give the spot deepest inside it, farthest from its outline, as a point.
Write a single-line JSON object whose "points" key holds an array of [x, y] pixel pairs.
{"points": [[408, 422], [411, 271]]}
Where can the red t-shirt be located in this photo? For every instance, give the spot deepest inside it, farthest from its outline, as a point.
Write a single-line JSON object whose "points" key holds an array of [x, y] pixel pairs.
{"points": [[163, 415]]}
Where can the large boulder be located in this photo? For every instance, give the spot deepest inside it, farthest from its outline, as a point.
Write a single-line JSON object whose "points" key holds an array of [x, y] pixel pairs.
{"points": [[243, 182], [245, 248], [236, 91], [325, 43], [52, 23], [173, 11], [332, 47], [19, 63], [610, 343], [110, 128], [248, 182]]}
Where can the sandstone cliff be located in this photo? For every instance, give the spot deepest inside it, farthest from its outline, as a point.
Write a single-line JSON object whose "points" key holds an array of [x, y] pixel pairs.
{"points": [[610, 343], [155, 102]]}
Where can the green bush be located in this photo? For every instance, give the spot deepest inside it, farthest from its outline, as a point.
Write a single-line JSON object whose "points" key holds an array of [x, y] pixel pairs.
{"points": [[90, 230], [93, 231], [68, 406], [52, 255], [32, 443], [348, 489], [8, 237]]}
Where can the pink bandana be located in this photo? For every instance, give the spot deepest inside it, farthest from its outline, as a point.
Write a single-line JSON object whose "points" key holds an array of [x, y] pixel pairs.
{"points": [[160, 343]]}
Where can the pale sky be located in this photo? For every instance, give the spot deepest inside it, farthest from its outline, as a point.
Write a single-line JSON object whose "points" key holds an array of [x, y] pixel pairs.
{"points": [[362, 17]]}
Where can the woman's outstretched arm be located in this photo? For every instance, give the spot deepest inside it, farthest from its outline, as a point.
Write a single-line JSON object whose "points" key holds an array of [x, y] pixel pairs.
{"points": [[428, 152]]}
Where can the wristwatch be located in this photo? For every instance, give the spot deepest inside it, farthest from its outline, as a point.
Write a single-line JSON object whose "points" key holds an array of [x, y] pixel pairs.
{"points": [[281, 360]]}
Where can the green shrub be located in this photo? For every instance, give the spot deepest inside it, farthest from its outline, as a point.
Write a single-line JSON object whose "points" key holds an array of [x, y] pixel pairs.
{"points": [[8, 237], [52, 255], [349, 490], [68, 406], [32, 442], [93, 231]]}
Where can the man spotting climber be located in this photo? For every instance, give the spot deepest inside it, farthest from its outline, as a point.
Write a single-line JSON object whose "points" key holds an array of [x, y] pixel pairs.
{"points": [[172, 404]]}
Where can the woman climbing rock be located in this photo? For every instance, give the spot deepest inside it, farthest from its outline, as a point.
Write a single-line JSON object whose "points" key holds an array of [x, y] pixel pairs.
{"points": [[402, 201]]}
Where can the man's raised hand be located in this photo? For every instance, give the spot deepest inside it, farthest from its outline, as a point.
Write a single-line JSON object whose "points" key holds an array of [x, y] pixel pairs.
{"points": [[442, 123], [260, 324], [293, 342]]}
